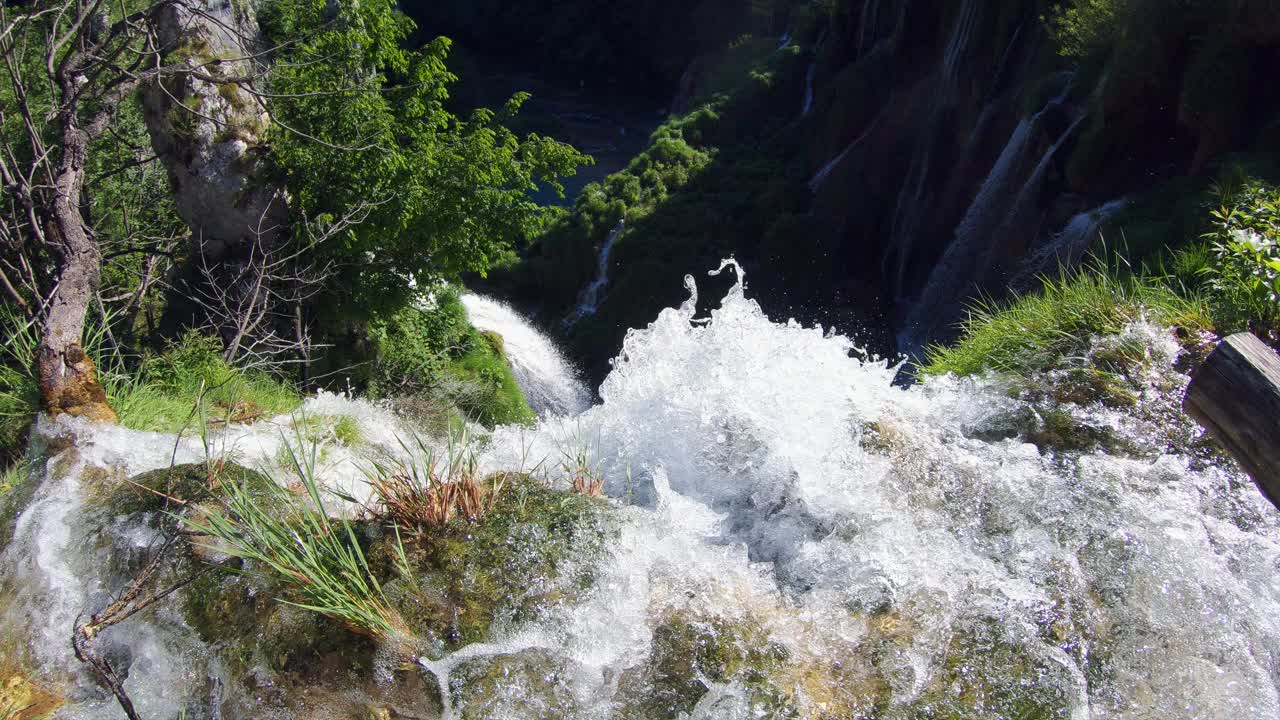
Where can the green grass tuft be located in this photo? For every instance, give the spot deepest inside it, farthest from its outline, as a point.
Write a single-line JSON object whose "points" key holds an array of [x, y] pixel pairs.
{"points": [[319, 557], [1035, 331]]}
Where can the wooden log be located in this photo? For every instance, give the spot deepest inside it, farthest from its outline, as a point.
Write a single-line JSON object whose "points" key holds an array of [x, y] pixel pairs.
{"points": [[1235, 395]]}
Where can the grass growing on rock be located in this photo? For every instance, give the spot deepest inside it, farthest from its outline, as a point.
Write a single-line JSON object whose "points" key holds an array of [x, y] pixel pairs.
{"points": [[161, 396], [298, 542], [1034, 331], [532, 550]]}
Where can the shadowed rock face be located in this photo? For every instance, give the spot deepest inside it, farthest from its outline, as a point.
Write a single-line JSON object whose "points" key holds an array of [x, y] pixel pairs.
{"points": [[210, 134]]}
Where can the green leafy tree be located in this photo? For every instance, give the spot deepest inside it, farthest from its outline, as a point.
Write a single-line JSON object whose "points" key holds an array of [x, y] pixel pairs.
{"points": [[361, 122]]}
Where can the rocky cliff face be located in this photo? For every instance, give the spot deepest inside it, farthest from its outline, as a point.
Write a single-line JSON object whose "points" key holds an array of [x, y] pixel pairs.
{"points": [[954, 153], [210, 134]]}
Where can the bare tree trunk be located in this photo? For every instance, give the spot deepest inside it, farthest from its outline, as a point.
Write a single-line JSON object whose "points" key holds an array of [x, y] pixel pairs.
{"points": [[68, 381]]}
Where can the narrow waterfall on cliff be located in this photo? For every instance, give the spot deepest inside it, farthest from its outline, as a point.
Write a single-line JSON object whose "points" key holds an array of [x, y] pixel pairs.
{"points": [[549, 382], [1000, 211], [589, 298], [1067, 248], [912, 202], [795, 537]]}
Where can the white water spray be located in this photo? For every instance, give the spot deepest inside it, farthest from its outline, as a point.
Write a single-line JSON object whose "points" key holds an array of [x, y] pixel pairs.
{"points": [[895, 551], [549, 382]]}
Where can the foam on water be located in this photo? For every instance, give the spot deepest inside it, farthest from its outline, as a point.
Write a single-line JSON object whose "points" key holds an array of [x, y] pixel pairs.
{"points": [[881, 537], [550, 383]]}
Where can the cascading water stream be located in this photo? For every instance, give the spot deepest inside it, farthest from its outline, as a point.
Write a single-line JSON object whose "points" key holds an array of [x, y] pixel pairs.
{"points": [[1067, 248], [1001, 203], [842, 547], [589, 298], [911, 198], [807, 103], [549, 382], [820, 177]]}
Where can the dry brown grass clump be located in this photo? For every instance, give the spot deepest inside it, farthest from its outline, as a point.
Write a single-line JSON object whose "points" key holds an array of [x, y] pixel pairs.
{"points": [[427, 491]]}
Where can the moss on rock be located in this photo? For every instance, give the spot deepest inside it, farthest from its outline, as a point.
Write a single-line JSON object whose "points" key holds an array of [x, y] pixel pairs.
{"points": [[530, 685], [535, 549], [985, 675], [689, 651]]}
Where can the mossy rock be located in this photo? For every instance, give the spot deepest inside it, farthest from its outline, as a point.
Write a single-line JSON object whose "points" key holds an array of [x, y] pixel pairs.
{"points": [[241, 614], [190, 483], [531, 685], [687, 652], [986, 675], [536, 549]]}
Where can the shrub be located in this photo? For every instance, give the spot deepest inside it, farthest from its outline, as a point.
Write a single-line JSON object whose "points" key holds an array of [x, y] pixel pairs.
{"points": [[1082, 27], [1244, 279], [413, 345]]}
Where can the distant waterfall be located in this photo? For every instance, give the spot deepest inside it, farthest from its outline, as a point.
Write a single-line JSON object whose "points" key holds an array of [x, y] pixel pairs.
{"points": [[820, 177], [1067, 248], [1001, 209], [807, 104], [589, 298], [549, 382], [907, 213], [867, 24]]}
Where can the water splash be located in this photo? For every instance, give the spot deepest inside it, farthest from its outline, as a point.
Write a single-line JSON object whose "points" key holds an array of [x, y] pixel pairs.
{"points": [[589, 298], [896, 550], [549, 382]]}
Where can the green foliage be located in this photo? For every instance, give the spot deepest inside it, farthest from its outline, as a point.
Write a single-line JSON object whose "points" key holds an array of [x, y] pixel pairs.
{"points": [[1083, 27], [13, 476], [361, 126], [1033, 332], [1244, 279], [483, 386], [413, 345], [436, 351], [163, 394], [19, 393]]}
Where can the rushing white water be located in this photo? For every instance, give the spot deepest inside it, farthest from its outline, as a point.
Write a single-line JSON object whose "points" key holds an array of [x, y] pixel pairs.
{"points": [[550, 383], [895, 553], [589, 298]]}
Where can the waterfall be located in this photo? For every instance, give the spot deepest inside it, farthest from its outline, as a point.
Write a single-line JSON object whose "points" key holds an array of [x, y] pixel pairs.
{"points": [[784, 41], [867, 24], [820, 177], [911, 198], [549, 382], [776, 498], [589, 298], [1068, 247], [998, 211], [807, 104], [960, 37]]}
